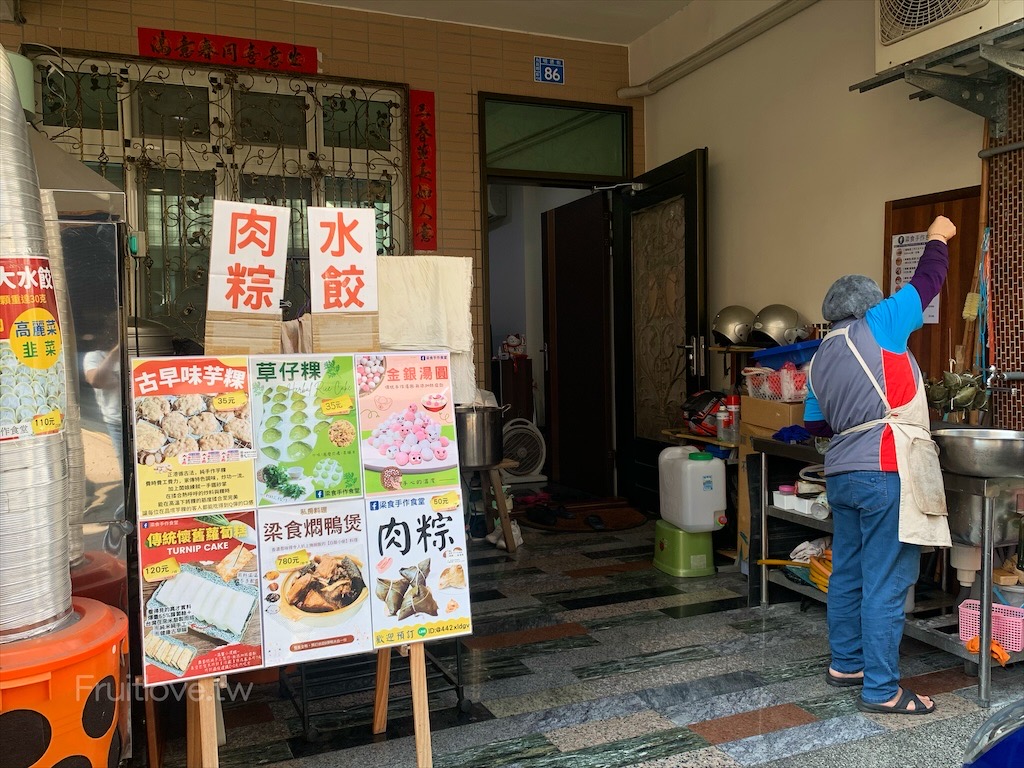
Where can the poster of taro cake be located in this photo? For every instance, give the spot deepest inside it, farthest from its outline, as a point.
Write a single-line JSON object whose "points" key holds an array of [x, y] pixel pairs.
{"points": [[315, 581], [305, 428], [200, 599], [406, 421], [417, 550]]}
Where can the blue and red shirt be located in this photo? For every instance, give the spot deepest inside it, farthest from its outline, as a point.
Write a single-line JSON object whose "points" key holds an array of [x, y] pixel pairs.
{"points": [[840, 392]]}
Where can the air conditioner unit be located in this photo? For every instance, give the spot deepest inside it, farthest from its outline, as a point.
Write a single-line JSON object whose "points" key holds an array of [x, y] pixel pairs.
{"points": [[908, 29]]}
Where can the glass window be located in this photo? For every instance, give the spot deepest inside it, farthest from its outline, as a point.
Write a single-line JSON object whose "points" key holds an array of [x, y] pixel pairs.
{"points": [[357, 123], [112, 172], [174, 111], [344, 192], [271, 119], [76, 100], [547, 138]]}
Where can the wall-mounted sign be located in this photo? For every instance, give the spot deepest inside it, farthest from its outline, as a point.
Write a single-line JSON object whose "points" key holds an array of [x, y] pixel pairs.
{"points": [[907, 250], [227, 51], [548, 70], [248, 248]]}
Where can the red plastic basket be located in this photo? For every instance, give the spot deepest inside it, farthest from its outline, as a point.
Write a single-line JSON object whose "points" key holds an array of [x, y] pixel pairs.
{"points": [[1007, 624]]}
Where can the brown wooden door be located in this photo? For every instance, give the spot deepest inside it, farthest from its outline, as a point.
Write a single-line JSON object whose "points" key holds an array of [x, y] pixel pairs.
{"points": [[577, 320], [935, 344]]}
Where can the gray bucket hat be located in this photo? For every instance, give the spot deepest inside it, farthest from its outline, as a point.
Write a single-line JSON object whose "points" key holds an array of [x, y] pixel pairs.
{"points": [[850, 296]]}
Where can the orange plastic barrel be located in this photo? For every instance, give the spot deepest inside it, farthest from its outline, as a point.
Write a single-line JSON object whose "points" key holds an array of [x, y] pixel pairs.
{"points": [[61, 693]]}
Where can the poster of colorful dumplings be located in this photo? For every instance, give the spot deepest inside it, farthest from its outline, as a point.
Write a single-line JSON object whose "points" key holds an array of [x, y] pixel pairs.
{"points": [[417, 552], [406, 421], [192, 435], [315, 581], [200, 596], [305, 427]]}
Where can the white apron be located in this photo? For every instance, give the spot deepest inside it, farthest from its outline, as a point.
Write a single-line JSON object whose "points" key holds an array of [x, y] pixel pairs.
{"points": [[922, 496]]}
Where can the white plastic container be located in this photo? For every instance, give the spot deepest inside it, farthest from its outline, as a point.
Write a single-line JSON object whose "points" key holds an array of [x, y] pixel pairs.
{"points": [[692, 489]]}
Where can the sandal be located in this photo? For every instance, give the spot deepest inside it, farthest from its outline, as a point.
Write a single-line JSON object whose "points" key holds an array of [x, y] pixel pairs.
{"points": [[595, 522], [901, 707], [843, 682]]}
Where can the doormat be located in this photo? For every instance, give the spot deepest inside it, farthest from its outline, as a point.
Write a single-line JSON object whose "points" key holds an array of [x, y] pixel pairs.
{"points": [[586, 518]]}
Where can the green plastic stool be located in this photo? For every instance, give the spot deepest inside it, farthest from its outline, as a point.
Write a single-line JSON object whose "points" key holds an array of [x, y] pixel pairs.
{"points": [[681, 553]]}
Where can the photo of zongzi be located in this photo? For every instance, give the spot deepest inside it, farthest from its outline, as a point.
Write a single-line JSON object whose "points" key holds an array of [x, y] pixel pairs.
{"points": [[391, 592], [417, 574], [328, 583], [417, 600]]}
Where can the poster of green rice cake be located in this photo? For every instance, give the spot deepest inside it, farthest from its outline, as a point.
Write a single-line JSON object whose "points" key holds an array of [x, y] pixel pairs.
{"points": [[418, 567], [305, 428], [315, 583], [407, 422]]}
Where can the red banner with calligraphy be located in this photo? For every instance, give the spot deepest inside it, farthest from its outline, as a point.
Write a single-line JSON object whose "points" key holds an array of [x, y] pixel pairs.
{"points": [[424, 170], [214, 50]]}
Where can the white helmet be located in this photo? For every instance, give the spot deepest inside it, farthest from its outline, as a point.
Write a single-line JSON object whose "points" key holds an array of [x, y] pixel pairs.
{"points": [[732, 325], [779, 324]]}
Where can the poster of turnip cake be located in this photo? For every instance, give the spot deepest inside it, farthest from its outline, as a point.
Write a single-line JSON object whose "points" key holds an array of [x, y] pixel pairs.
{"points": [[315, 583], [305, 428], [406, 421], [417, 550]]}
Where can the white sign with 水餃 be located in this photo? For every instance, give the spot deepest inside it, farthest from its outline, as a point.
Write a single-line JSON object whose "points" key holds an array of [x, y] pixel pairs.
{"points": [[343, 259], [248, 251]]}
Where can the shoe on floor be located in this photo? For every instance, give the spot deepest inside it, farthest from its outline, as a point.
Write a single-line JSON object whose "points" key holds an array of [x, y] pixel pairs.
{"points": [[843, 682], [901, 707], [517, 536], [494, 535]]}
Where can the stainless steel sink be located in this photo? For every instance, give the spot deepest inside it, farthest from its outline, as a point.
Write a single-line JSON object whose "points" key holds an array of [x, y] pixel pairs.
{"points": [[981, 452]]}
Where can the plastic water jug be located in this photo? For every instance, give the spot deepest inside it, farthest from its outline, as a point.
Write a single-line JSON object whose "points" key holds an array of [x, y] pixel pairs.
{"points": [[692, 489]]}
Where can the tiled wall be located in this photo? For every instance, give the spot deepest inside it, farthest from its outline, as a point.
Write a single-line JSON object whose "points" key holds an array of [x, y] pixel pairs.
{"points": [[454, 61], [1006, 217]]}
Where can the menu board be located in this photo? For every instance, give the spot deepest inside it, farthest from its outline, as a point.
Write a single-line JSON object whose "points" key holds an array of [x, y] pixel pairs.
{"points": [[418, 549], [32, 386], [295, 507], [315, 581], [201, 602], [305, 428], [193, 435], [407, 422]]}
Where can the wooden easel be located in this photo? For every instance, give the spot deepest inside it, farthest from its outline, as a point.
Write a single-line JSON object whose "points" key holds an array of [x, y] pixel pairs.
{"points": [[420, 707], [490, 483]]}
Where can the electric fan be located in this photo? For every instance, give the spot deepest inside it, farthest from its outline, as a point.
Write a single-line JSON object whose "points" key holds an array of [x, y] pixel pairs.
{"points": [[522, 442]]}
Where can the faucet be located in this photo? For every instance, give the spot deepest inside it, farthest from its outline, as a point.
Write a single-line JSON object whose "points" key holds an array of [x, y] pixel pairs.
{"points": [[994, 376]]}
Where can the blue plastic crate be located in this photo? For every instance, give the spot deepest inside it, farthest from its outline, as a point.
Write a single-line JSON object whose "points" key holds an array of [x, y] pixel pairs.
{"points": [[776, 357]]}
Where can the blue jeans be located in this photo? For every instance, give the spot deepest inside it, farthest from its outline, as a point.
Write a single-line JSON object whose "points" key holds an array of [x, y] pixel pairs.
{"points": [[871, 573]]}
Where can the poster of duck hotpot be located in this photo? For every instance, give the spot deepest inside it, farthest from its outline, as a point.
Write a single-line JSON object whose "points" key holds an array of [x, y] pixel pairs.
{"points": [[417, 550], [315, 581], [193, 435], [200, 596], [305, 428], [406, 421]]}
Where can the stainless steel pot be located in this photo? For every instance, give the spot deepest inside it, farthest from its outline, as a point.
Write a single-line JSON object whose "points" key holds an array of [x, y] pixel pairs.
{"points": [[479, 429]]}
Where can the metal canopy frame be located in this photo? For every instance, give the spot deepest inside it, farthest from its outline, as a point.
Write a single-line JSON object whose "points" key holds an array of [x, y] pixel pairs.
{"points": [[971, 74]]}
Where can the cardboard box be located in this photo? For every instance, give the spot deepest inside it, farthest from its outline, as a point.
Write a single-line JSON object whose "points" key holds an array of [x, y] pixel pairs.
{"points": [[747, 432], [770, 413]]}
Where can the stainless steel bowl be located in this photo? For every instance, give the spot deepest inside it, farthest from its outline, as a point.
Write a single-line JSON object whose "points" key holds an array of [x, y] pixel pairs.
{"points": [[981, 452]]}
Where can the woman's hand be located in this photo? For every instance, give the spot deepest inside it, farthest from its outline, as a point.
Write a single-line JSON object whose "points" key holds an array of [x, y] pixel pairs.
{"points": [[942, 229]]}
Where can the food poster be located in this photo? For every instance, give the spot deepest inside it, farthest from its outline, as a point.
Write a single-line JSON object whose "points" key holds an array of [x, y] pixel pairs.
{"points": [[314, 583], [193, 435], [407, 422], [906, 252], [33, 395], [200, 596], [417, 546], [306, 425]]}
